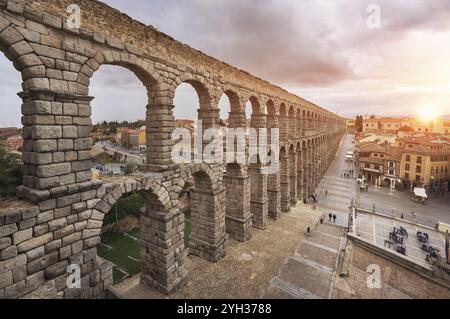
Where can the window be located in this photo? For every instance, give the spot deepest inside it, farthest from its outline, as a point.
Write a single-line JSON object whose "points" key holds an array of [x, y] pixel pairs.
{"points": [[408, 158], [391, 172], [377, 167], [407, 167], [407, 176], [418, 169], [418, 178], [419, 159], [391, 164]]}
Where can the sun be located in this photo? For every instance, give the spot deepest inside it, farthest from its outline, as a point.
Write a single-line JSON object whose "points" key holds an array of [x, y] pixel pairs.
{"points": [[428, 113]]}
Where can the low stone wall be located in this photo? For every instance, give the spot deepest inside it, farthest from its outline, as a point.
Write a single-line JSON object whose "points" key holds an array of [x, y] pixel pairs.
{"points": [[403, 261], [38, 243]]}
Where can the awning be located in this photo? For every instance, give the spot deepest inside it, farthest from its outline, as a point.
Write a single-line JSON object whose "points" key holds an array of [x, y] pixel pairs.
{"points": [[349, 156], [420, 192]]}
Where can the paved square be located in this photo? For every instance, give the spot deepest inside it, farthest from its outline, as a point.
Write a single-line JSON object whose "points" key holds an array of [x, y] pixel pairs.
{"points": [[376, 229]]}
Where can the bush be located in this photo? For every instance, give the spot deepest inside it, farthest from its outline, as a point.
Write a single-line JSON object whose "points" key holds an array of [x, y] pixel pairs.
{"points": [[10, 173]]}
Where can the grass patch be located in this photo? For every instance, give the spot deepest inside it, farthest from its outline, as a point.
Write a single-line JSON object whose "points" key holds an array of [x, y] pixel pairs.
{"points": [[124, 247]]}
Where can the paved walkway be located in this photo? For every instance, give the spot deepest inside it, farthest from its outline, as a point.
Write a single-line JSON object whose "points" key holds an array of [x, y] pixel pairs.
{"points": [[309, 272], [375, 229]]}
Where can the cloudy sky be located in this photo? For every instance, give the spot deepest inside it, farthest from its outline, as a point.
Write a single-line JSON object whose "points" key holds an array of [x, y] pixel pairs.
{"points": [[322, 50]]}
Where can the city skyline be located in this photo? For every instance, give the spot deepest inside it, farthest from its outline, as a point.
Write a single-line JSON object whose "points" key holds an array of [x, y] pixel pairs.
{"points": [[347, 68]]}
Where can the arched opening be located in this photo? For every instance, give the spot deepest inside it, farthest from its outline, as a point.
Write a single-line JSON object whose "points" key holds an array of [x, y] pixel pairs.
{"points": [[192, 106], [193, 115], [207, 238], [11, 130], [284, 122], [119, 130], [119, 114], [187, 103], [235, 179], [120, 237]]}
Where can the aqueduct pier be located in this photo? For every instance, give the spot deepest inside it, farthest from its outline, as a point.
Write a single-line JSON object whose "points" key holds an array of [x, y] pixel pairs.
{"points": [[60, 217]]}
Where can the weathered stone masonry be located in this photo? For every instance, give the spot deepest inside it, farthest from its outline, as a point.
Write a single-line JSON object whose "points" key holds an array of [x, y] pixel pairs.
{"points": [[59, 219]]}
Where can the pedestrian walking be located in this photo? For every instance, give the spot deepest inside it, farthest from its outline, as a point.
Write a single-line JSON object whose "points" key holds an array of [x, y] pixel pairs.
{"points": [[308, 231], [330, 216], [402, 217], [321, 221], [304, 201], [334, 218], [326, 193]]}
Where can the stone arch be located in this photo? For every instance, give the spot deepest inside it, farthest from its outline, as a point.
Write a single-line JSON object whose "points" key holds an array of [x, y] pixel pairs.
{"points": [[291, 111], [256, 105], [271, 109], [200, 85], [233, 95], [142, 68], [156, 201], [238, 220], [18, 50], [208, 237], [190, 170]]}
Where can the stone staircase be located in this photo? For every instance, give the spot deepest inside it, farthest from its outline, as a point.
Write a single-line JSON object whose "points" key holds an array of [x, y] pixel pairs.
{"points": [[309, 272]]}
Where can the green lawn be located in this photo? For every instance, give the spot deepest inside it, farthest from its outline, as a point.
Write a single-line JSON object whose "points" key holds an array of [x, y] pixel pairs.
{"points": [[124, 247]]}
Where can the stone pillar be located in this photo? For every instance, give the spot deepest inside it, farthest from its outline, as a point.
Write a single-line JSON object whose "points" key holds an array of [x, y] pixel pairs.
{"points": [[309, 171], [163, 253], [300, 174], [273, 180], [284, 128], [259, 200], [293, 177], [57, 144], [210, 118], [285, 183], [160, 124], [259, 204], [314, 167], [292, 127], [238, 214], [208, 238]]}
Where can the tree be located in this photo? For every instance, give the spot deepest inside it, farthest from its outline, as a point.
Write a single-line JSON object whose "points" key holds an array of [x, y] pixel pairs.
{"points": [[359, 123], [10, 173]]}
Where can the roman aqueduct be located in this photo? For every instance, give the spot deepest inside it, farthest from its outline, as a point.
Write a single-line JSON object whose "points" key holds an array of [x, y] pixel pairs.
{"points": [[59, 219]]}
